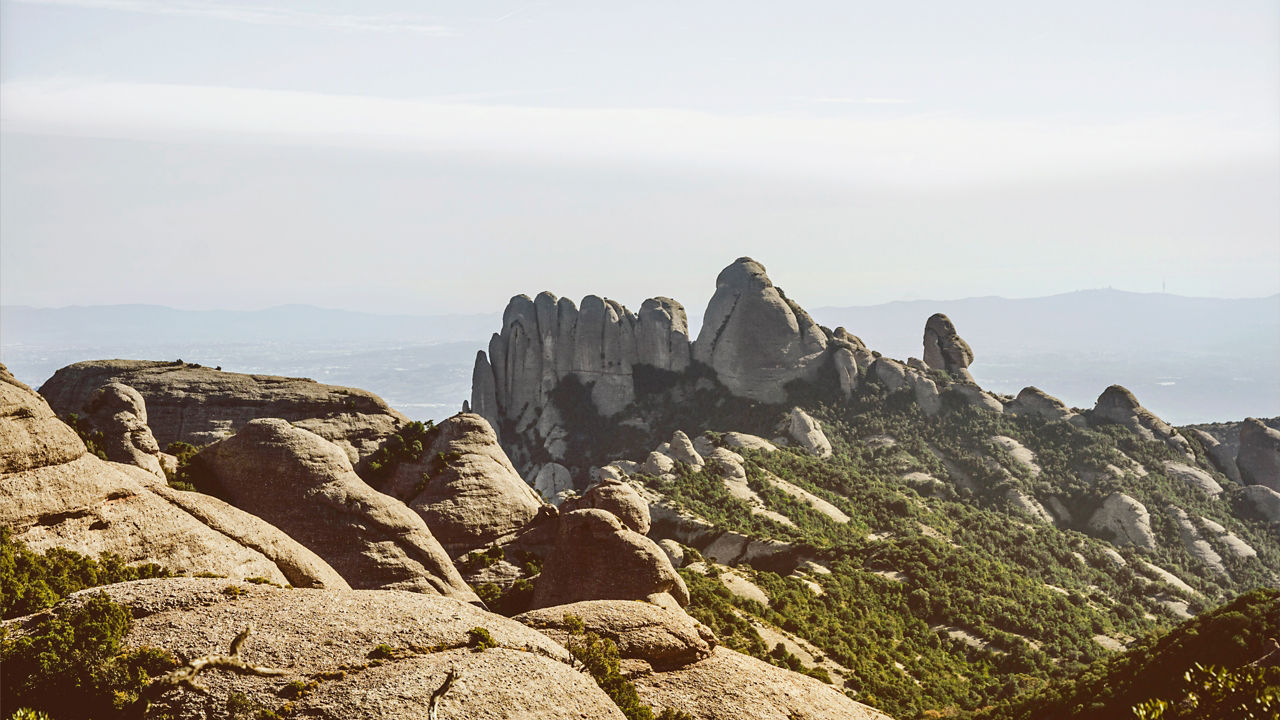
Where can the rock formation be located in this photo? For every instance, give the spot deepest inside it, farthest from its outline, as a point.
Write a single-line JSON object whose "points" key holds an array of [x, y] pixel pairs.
{"points": [[305, 485], [522, 674], [665, 639], [682, 450], [807, 433], [1124, 520], [120, 414], [596, 558], [1116, 405], [554, 483], [1196, 545], [1035, 402], [464, 487], [618, 498], [1220, 455], [755, 338], [1260, 501], [54, 494], [201, 405], [1259, 456], [1193, 476], [729, 686], [944, 349]]}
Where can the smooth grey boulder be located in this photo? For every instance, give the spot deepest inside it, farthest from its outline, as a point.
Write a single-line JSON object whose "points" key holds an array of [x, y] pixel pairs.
{"points": [[807, 433], [944, 349], [616, 497], [1260, 501], [595, 558], [662, 335], [889, 372], [755, 338], [1116, 405], [553, 482], [1034, 402], [1259, 454], [1124, 520], [305, 485], [120, 414], [682, 450], [1219, 453], [464, 487]]}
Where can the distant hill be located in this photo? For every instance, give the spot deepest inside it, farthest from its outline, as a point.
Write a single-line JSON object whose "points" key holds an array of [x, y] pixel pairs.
{"points": [[1189, 359]]}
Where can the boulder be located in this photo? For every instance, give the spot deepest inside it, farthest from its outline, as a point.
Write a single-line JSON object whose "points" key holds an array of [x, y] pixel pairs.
{"points": [[120, 414], [1234, 544], [975, 397], [926, 392], [1259, 455], [674, 552], [616, 497], [201, 405], [1193, 476], [743, 441], [755, 338], [305, 485], [464, 486], [658, 464], [944, 349], [663, 638], [846, 366], [1116, 405], [807, 433], [31, 436], [554, 483], [682, 450], [728, 685], [727, 464], [1035, 402], [54, 494], [1219, 453], [1124, 520], [523, 674], [596, 558], [889, 372], [1260, 501]]}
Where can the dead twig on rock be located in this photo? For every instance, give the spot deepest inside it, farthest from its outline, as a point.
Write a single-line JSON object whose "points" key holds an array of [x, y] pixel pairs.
{"points": [[185, 676], [434, 706]]}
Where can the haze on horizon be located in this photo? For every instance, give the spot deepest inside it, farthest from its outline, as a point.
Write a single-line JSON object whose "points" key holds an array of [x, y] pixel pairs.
{"points": [[438, 158]]}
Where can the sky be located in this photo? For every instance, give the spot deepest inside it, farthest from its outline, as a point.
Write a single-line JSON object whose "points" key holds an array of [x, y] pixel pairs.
{"points": [[427, 158]]}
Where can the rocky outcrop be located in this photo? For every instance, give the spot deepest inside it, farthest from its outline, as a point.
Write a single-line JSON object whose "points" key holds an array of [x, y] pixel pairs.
{"points": [[305, 485], [755, 338], [665, 639], [1220, 454], [975, 397], [523, 674], [1261, 502], [1124, 520], [1034, 402], [1195, 545], [743, 441], [1028, 505], [619, 499], [54, 494], [201, 405], [945, 350], [554, 483], [596, 558], [682, 450], [1118, 406], [120, 414], [31, 436], [889, 372], [807, 433], [464, 486], [729, 686], [1193, 476], [1259, 456]]}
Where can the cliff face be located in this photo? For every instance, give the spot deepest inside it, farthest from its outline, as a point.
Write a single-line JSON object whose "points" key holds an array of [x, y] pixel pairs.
{"points": [[201, 405]]}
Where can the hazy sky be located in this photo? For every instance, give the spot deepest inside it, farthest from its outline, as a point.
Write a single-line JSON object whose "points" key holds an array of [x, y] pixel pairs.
{"points": [[439, 157]]}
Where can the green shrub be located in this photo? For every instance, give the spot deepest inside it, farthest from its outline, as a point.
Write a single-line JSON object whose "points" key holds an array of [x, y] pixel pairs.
{"points": [[382, 651], [478, 639], [73, 663], [30, 582]]}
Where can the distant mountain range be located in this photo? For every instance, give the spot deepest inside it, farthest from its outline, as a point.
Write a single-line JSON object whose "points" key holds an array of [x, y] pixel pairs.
{"points": [[1188, 359]]}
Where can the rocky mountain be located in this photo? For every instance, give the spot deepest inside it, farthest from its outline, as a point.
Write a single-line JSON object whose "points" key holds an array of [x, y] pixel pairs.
{"points": [[198, 405], [771, 520], [799, 467]]}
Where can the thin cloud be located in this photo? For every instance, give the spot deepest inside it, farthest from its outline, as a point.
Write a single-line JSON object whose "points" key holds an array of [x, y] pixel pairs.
{"points": [[918, 149], [262, 15], [860, 101]]}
